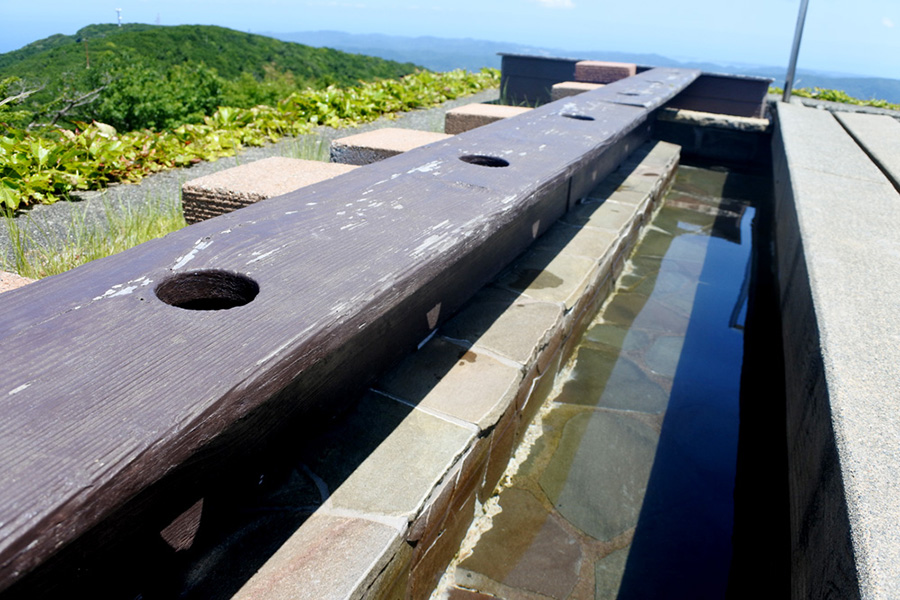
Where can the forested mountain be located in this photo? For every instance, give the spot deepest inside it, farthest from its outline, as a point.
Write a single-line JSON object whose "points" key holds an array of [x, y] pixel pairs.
{"points": [[154, 76]]}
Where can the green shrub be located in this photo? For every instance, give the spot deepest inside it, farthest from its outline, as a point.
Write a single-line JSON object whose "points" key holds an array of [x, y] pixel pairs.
{"points": [[46, 166]]}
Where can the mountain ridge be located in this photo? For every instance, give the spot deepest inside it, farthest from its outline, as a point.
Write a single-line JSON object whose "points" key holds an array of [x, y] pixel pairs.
{"points": [[442, 54]]}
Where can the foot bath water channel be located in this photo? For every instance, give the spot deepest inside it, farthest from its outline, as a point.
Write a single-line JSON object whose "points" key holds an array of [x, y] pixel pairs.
{"points": [[625, 489]]}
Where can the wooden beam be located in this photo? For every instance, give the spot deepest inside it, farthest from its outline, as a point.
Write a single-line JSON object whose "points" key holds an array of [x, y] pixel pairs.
{"points": [[167, 358]]}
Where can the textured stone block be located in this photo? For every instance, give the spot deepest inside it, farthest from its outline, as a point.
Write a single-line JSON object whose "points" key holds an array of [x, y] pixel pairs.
{"points": [[598, 71], [219, 193], [475, 115], [571, 88], [376, 145], [11, 281]]}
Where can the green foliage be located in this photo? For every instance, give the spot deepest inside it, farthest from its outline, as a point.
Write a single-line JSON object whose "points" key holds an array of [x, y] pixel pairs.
{"points": [[42, 168], [205, 66], [143, 97], [41, 253], [835, 96]]}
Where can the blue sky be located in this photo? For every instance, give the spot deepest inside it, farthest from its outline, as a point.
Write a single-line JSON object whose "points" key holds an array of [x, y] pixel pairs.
{"points": [[848, 36]]}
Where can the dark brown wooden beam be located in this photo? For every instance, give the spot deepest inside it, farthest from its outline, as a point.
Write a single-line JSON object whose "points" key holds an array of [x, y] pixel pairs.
{"points": [[169, 357]]}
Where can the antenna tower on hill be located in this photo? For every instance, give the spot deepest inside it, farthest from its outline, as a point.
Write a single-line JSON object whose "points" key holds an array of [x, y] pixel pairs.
{"points": [[119, 15]]}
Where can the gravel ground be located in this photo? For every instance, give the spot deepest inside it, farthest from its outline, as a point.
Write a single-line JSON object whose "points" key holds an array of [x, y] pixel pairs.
{"points": [[49, 224]]}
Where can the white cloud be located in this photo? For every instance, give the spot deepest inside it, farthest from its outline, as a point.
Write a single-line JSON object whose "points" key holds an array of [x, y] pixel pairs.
{"points": [[556, 3], [886, 21]]}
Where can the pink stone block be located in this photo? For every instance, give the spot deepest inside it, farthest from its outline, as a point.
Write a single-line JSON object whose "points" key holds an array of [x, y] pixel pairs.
{"points": [[470, 116], [571, 88], [376, 145], [596, 71], [219, 193], [11, 281]]}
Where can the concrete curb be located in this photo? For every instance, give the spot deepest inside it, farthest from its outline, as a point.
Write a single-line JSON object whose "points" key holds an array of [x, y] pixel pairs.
{"points": [[838, 259]]}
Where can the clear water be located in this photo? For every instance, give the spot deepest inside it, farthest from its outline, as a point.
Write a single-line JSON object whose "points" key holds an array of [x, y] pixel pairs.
{"points": [[628, 492]]}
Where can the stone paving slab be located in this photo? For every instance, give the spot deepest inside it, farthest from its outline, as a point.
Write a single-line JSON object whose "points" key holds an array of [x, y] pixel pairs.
{"points": [[329, 558], [549, 276], [571, 88], [611, 216], [224, 191], [549, 560], [505, 324], [879, 136], [839, 256], [464, 384], [373, 146], [386, 483], [476, 115]]}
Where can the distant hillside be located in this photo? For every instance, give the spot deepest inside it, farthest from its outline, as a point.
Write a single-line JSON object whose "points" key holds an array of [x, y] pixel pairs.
{"points": [[229, 52], [154, 76], [444, 54]]}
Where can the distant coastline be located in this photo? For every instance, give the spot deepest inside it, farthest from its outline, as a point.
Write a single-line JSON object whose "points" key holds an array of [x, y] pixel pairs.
{"points": [[445, 54]]}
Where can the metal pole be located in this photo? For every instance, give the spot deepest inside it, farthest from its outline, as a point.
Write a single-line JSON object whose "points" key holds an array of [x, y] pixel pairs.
{"points": [[792, 65]]}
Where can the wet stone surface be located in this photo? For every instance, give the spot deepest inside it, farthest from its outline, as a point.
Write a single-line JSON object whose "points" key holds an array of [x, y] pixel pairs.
{"points": [[628, 490]]}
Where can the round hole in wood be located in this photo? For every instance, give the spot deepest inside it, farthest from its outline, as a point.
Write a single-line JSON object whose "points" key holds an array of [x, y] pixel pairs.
{"points": [[210, 289], [578, 117], [484, 161]]}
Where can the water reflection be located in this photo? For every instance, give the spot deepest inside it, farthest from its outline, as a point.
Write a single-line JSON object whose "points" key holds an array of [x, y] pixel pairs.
{"points": [[636, 466]]}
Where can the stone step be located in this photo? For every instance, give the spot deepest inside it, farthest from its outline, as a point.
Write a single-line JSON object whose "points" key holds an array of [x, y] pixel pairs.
{"points": [[571, 88], [475, 115], [213, 195], [373, 146]]}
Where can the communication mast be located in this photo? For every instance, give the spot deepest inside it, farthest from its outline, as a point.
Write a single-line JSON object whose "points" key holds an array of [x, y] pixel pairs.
{"points": [[119, 15]]}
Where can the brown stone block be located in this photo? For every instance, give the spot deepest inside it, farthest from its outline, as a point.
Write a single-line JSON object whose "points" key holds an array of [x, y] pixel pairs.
{"points": [[471, 116], [216, 194], [11, 281], [565, 89], [427, 571], [466, 483], [456, 593], [427, 525], [392, 583], [597, 71], [541, 390], [376, 145], [502, 444]]}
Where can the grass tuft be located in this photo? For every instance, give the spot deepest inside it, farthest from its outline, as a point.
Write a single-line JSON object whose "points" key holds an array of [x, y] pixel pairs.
{"points": [[37, 252]]}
